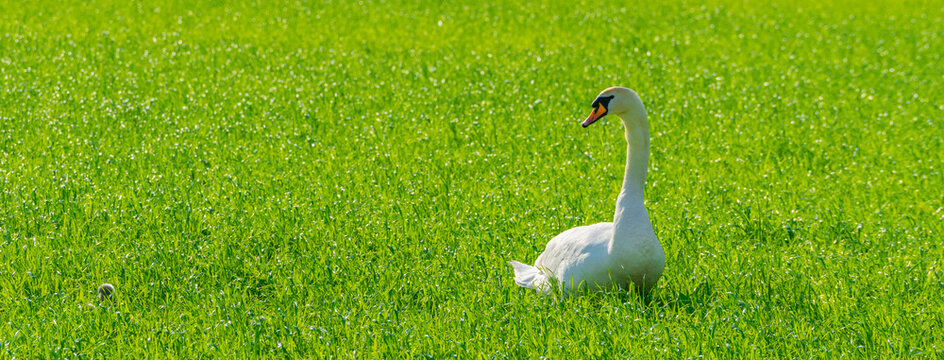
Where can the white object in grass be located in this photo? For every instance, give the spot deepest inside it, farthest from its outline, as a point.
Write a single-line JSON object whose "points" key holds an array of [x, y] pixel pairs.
{"points": [[604, 255], [106, 291]]}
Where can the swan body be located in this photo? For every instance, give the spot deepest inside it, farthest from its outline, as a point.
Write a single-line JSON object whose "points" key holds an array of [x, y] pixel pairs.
{"points": [[623, 253]]}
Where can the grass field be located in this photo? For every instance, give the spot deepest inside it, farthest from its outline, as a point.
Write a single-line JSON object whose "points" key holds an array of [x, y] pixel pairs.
{"points": [[348, 179]]}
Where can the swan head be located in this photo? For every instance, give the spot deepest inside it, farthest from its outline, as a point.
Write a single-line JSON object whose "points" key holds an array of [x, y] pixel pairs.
{"points": [[616, 101]]}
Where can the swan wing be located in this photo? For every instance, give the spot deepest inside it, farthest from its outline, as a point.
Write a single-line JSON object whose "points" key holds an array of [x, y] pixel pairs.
{"points": [[579, 255]]}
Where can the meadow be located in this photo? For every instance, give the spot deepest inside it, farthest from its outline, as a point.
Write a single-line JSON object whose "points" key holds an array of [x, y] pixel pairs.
{"points": [[346, 179]]}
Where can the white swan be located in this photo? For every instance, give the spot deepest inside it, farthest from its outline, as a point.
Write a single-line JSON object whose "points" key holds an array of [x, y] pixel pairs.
{"points": [[602, 255]]}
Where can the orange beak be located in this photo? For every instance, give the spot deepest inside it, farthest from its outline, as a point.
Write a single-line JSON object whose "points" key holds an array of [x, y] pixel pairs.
{"points": [[598, 112]]}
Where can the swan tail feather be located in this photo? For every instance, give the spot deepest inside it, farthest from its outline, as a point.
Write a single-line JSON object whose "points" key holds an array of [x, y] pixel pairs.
{"points": [[528, 276]]}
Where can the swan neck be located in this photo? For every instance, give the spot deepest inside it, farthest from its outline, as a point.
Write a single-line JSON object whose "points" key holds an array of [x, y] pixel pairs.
{"points": [[630, 200]]}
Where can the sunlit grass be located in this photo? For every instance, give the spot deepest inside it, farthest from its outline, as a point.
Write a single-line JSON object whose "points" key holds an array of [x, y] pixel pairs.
{"points": [[349, 179]]}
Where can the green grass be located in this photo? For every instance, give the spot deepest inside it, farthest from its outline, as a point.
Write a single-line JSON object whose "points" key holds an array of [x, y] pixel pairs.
{"points": [[348, 179]]}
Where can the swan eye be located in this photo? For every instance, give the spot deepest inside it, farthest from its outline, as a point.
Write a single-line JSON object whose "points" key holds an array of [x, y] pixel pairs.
{"points": [[601, 104], [602, 100]]}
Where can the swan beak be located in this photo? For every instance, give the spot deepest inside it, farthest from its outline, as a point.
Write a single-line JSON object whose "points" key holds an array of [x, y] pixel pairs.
{"points": [[598, 112]]}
